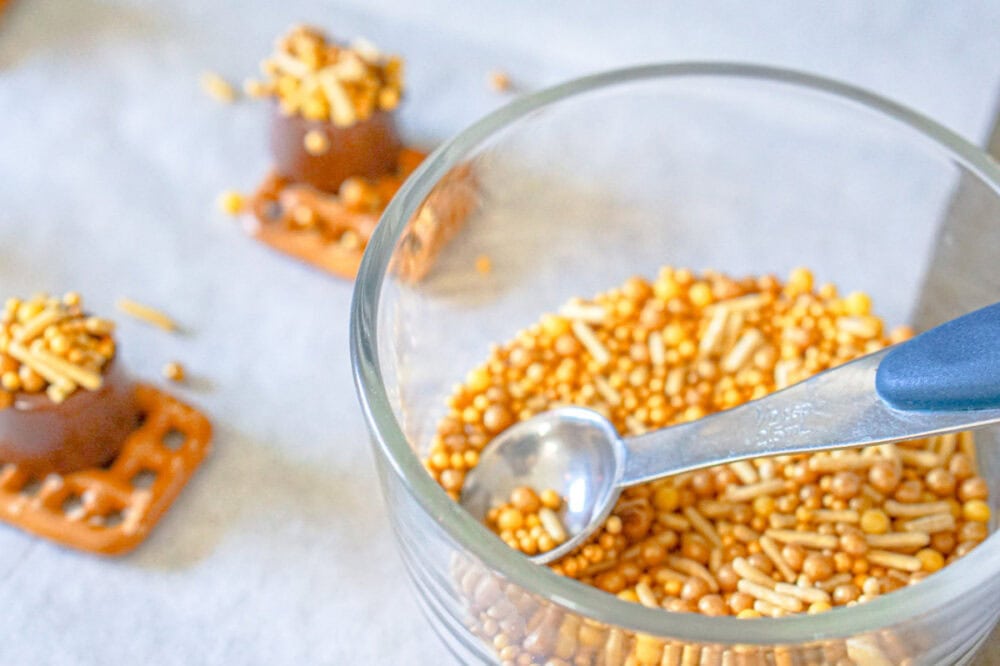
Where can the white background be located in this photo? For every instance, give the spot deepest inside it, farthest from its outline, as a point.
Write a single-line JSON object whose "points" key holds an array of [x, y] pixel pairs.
{"points": [[110, 161]]}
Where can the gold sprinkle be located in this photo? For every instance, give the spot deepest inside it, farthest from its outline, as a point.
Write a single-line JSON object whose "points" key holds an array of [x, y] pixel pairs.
{"points": [[552, 524], [752, 573], [86, 378], [836, 516], [342, 111], [350, 240], [916, 509], [847, 461], [713, 333], [231, 202], [810, 595], [773, 553], [702, 526], [891, 560], [645, 594], [746, 471], [589, 313], [753, 490], [657, 351], [254, 88], [40, 367], [898, 540], [146, 314], [743, 351], [316, 143], [937, 522], [41, 321], [218, 88], [764, 593], [499, 81], [589, 340], [174, 371], [304, 217], [693, 568], [769, 609], [56, 393], [807, 539]]}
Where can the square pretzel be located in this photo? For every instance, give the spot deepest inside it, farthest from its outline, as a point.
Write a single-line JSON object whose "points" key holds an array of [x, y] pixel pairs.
{"points": [[111, 509], [437, 221]]}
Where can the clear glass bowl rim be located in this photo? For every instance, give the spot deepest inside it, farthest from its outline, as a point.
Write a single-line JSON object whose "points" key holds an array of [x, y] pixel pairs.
{"points": [[944, 587]]}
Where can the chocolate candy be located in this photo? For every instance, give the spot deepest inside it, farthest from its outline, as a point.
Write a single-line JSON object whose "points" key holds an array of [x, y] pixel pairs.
{"points": [[369, 148], [85, 430]]}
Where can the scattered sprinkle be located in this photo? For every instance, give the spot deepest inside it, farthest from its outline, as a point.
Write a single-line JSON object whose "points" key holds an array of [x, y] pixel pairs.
{"points": [[147, 314], [174, 371], [231, 202], [499, 81], [218, 88]]}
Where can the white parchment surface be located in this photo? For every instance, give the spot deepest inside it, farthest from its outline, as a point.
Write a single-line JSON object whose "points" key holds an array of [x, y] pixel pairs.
{"points": [[111, 157]]}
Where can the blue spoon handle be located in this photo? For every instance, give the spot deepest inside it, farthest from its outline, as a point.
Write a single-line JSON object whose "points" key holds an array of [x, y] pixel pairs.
{"points": [[955, 366]]}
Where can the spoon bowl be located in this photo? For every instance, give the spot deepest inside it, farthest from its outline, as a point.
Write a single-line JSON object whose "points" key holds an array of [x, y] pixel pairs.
{"points": [[572, 450]]}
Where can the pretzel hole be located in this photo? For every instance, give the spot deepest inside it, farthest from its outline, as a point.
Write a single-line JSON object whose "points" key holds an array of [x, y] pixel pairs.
{"points": [[72, 506], [31, 488], [273, 211], [143, 479], [113, 519], [174, 439]]}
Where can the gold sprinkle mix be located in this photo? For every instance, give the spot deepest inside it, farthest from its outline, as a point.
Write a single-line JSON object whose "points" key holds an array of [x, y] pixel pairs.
{"points": [[528, 521], [50, 345], [147, 314], [762, 537], [320, 79]]}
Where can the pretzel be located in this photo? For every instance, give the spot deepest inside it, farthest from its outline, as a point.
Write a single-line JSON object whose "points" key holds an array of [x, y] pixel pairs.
{"points": [[323, 245], [106, 509], [435, 223]]}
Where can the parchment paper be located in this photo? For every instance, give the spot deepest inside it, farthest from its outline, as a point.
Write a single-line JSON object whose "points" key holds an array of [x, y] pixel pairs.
{"points": [[110, 160]]}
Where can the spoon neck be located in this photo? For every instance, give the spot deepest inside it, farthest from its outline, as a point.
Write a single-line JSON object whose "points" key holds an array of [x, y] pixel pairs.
{"points": [[835, 409]]}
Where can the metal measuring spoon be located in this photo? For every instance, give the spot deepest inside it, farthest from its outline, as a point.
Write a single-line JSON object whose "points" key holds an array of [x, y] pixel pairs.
{"points": [[944, 380]]}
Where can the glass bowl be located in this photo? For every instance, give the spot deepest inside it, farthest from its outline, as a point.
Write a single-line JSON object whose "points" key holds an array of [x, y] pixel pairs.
{"points": [[744, 169]]}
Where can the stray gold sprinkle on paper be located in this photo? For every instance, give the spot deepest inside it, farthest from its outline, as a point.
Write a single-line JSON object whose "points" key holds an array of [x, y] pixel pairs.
{"points": [[174, 371], [218, 88], [231, 202], [146, 314], [499, 81]]}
